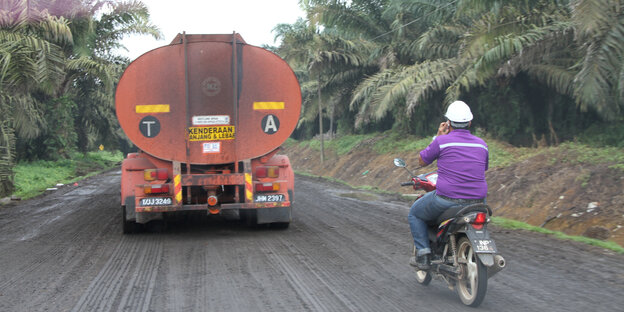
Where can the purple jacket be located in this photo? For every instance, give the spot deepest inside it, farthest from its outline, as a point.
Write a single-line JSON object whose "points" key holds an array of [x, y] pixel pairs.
{"points": [[462, 162]]}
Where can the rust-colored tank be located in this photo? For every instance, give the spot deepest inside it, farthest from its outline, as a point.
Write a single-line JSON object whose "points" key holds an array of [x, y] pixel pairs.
{"points": [[192, 93], [208, 114]]}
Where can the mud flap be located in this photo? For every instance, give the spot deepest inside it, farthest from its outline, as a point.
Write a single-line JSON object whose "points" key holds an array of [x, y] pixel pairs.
{"points": [[486, 259], [130, 208], [144, 217], [271, 215]]}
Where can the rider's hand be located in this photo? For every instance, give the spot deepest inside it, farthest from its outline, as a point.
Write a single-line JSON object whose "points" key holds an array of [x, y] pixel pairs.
{"points": [[443, 128]]}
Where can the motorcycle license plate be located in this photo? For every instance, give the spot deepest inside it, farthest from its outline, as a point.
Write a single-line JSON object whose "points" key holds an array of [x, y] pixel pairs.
{"points": [[155, 201], [484, 246]]}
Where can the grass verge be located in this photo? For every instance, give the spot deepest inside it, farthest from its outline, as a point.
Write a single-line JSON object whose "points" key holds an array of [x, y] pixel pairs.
{"points": [[33, 178], [515, 225]]}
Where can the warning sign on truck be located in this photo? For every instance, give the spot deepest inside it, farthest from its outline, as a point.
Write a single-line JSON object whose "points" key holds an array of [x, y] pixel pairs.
{"points": [[211, 133]]}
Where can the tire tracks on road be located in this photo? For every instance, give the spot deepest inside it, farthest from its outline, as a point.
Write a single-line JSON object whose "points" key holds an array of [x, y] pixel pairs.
{"points": [[127, 280]]}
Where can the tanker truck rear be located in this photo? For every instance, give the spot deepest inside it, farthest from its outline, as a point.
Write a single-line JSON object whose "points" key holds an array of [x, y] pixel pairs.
{"points": [[208, 114]]}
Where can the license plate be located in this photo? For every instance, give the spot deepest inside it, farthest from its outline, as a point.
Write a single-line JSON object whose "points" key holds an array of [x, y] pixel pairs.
{"points": [[484, 246], [155, 201], [269, 198]]}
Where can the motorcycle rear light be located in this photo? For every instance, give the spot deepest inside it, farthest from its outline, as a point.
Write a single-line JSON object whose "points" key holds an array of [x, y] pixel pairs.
{"points": [[267, 172], [267, 187], [155, 174], [156, 188], [479, 221]]}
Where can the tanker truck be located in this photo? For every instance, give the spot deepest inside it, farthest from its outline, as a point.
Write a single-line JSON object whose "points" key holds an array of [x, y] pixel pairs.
{"points": [[208, 114]]}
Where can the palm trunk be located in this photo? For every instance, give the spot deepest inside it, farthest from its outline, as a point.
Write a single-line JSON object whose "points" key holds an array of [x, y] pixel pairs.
{"points": [[320, 119], [7, 150], [331, 121]]}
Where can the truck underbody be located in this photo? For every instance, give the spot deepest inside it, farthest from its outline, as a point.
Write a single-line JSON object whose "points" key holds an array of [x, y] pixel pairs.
{"points": [[260, 189]]}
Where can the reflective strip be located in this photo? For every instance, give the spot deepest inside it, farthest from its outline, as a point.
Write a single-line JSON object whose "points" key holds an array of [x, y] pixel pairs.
{"points": [[464, 145], [156, 108], [248, 187], [268, 105], [178, 188]]}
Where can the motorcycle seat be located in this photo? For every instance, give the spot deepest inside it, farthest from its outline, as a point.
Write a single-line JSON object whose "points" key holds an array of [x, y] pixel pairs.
{"points": [[461, 210]]}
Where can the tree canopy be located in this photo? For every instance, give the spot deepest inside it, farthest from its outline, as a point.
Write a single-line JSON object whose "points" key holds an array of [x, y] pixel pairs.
{"points": [[58, 68], [534, 71]]}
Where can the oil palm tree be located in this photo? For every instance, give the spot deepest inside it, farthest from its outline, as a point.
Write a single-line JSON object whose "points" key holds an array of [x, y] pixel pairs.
{"points": [[599, 32], [93, 68], [461, 45], [31, 62], [326, 58], [44, 57]]}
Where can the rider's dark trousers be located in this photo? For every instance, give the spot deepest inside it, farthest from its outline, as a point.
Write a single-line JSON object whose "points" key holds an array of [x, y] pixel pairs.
{"points": [[427, 208]]}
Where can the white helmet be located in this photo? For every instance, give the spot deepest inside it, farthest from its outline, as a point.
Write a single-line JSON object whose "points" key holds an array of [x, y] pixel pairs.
{"points": [[458, 111]]}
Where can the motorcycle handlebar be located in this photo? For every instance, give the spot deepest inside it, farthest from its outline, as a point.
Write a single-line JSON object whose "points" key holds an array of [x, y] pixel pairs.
{"points": [[407, 183]]}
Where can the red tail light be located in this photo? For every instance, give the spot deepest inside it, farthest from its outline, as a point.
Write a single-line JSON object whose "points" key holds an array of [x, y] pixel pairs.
{"points": [[267, 172], [156, 188], [479, 221], [267, 187], [156, 174]]}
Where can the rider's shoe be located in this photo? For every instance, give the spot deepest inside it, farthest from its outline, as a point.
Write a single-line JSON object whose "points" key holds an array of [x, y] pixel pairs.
{"points": [[422, 262]]}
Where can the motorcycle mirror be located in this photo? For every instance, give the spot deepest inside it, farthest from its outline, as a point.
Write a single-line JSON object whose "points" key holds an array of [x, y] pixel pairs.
{"points": [[399, 162]]}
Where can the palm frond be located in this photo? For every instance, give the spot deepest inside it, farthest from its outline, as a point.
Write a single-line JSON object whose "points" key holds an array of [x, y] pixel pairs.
{"points": [[350, 19], [440, 41], [592, 17], [604, 55], [559, 78], [434, 76]]}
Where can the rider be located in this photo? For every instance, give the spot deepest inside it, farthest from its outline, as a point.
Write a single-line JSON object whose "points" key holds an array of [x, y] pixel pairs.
{"points": [[462, 162]]}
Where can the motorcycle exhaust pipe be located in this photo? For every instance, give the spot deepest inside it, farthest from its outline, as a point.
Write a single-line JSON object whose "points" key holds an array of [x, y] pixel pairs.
{"points": [[499, 264]]}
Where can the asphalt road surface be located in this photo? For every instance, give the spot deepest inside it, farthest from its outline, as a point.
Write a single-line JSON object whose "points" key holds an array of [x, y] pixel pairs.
{"points": [[65, 252]]}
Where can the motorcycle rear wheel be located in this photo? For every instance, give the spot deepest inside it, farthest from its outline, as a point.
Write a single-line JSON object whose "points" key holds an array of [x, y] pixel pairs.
{"points": [[472, 287]]}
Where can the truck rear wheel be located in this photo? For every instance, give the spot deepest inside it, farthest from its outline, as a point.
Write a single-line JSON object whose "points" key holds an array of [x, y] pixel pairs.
{"points": [[128, 226], [249, 217], [280, 225]]}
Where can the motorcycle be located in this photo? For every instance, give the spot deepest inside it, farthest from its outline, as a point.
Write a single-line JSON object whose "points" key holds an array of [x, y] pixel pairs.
{"points": [[463, 253]]}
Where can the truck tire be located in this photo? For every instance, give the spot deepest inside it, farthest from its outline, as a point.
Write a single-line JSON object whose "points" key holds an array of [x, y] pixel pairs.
{"points": [[128, 226], [249, 217], [280, 225]]}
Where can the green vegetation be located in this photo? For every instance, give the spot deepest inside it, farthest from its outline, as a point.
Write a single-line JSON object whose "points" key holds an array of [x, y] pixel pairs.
{"points": [[580, 153], [393, 141], [583, 153], [35, 177], [535, 72], [503, 155], [289, 143], [344, 144], [59, 70], [512, 224]]}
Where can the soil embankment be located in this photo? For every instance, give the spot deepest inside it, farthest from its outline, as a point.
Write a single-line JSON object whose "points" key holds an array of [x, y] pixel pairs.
{"points": [[573, 197]]}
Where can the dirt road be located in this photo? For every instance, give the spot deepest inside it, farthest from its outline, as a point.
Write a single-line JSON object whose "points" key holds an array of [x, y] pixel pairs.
{"points": [[65, 252]]}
